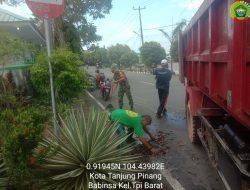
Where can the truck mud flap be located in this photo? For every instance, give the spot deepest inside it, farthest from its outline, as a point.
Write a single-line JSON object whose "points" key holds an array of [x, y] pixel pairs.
{"points": [[231, 167]]}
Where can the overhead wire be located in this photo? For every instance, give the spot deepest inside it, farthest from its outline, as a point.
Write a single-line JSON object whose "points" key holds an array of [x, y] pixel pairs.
{"points": [[186, 7], [129, 39], [135, 42], [128, 21], [155, 28], [149, 2], [127, 16], [130, 18], [123, 25]]}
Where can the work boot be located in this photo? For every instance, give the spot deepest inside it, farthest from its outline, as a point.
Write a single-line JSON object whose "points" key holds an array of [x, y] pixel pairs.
{"points": [[158, 116], [165, 112], [131, 107]]}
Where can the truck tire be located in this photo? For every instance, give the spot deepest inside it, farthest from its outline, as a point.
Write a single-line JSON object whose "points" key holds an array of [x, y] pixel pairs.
{"points": [[192, 124]]}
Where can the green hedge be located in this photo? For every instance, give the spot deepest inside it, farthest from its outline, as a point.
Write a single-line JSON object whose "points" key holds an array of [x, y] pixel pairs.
{"points": [[69, 80]]}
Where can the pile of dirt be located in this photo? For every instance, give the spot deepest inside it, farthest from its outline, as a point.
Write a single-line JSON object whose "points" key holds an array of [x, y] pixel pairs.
{"points": [[86, 103]]}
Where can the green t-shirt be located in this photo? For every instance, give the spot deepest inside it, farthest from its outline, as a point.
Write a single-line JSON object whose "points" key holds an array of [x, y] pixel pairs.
{"points": [[129, 119]]}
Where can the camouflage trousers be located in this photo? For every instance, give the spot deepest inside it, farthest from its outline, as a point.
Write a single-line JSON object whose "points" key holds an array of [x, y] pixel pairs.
{"points": [[121, 93]]}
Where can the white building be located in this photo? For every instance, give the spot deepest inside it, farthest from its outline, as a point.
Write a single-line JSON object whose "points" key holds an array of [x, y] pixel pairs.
{"points": [[24, 29]]}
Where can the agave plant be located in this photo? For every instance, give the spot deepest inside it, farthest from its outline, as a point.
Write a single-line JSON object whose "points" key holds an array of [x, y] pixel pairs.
{"points": [[3, 174], [83, 147]]}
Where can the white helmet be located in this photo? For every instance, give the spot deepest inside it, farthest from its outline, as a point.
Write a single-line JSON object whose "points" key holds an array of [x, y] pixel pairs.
{"points": [[164, 61]]}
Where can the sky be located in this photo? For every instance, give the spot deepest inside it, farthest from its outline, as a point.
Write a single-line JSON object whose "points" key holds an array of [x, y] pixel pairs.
{"points": [[122, 24]]}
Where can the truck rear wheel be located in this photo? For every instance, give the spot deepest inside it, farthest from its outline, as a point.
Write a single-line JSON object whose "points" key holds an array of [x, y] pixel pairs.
{"points": [[193, 125]]}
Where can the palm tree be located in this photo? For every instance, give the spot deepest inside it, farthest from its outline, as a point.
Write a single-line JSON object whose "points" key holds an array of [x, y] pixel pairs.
{"points": [[173, 39]]}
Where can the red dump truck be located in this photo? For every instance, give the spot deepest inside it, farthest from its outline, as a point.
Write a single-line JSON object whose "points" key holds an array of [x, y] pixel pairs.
{"points": [[214, 57]]}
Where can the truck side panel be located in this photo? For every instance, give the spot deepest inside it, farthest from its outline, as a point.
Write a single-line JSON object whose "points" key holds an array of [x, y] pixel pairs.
{"points": [[247, 81], [216, 58], [215, 66]]}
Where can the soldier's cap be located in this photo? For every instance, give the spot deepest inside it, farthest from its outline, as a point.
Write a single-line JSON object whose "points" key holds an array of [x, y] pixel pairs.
{"points": [[114, 67]]}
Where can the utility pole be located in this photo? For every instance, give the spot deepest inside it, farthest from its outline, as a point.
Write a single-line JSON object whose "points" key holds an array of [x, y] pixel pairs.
{"points": [[139, 9]]}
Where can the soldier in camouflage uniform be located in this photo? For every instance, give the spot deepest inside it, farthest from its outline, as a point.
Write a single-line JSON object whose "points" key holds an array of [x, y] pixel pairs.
{"points": [[124, 87]]}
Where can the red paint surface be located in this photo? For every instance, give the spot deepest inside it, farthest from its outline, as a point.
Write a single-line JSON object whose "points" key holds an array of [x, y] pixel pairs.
{"points": [[43, 9], [216, 58]]}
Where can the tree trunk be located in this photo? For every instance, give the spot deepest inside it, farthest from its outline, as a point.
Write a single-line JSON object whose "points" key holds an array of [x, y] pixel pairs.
{"points": [[59, 40]]}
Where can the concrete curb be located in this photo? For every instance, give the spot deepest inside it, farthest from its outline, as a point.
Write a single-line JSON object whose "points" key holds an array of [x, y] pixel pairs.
{"points": [[141, 72], [98, 102]]}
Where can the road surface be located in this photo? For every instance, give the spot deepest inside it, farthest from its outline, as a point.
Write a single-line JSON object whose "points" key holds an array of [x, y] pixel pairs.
{"points": [[187, 165]]}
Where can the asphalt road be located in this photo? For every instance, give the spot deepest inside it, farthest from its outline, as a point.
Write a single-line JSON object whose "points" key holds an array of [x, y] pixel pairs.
{"points": [[187, 165]]}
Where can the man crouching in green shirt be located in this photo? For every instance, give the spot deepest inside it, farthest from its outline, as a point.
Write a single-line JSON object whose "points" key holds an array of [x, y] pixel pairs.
{"points": [[136, 123]]}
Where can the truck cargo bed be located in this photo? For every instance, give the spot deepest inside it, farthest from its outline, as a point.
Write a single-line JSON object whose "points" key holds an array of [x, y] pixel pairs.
{"points": [[216, 58]]}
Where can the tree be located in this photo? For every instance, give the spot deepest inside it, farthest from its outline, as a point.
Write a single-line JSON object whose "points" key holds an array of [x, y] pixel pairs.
{"points": [[88, 35], [11, 2], [151, 53], [98, 55], [173, 39], [77, 13], [129, 59], [119, 54], [72, 37], [75, 38], [87, 58], [101, 56], [69, 80], [12, 48], [116, 52]]}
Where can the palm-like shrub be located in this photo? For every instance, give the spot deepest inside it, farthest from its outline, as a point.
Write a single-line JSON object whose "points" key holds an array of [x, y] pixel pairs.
{"points": [[84, 142], [3, 176]]}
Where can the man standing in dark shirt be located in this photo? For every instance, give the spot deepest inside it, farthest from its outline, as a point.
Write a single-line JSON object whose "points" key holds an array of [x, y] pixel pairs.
{"points": [[163, 76]]}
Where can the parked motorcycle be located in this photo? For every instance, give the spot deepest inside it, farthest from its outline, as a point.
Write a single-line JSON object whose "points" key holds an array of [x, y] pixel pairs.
{"points": [[105, 88], [100, 78]]}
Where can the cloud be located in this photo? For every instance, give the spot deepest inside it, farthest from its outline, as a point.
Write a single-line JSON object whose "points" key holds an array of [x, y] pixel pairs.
{"points": [[114, 33], [191, 4], [21, 10]]}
